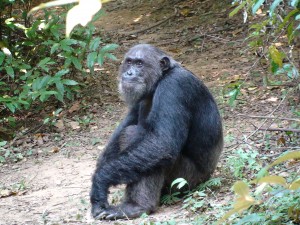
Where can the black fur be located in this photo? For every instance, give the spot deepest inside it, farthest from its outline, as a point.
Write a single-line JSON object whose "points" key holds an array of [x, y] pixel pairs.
{"points": [[173, 129]]}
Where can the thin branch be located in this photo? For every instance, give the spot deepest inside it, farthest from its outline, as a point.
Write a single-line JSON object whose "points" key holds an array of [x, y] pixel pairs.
{"points": [[287, 169], [214, 32], [269, 117], [279, 129], [279, 153], [150, 27], [265, 120]]}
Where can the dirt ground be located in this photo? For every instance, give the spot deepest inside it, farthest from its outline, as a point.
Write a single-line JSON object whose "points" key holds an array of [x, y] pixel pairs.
{"points": [[53, 184]]}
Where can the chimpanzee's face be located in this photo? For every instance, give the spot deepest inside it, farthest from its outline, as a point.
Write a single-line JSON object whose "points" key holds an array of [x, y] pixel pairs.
{"points": [[138, 73]]}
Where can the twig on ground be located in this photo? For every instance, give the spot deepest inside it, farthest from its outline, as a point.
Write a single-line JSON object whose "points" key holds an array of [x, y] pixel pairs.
{"points": [[279, 153], [22, 134], [214, 32], [269, 117], [287, 169], [265, 120], [279, 129], [150, 27], [167, 42]]}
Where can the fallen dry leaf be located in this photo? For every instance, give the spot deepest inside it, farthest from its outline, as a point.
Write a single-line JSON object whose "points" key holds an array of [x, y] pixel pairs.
{"points": [[5, 193], [74, 125], [60, 125], [74, 107], [55, 150], [40, 141]]}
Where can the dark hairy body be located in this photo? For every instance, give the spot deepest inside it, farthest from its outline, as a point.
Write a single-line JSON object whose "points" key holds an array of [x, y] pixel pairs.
{"points": [[173, 129]]}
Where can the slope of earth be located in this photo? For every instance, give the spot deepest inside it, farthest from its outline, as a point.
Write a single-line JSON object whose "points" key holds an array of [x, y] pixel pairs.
{"points": [[52, 186]]}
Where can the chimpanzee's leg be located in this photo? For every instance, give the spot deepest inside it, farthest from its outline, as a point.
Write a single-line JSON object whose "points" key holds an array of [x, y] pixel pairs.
{"points": [[141, 197], [186, 168]]}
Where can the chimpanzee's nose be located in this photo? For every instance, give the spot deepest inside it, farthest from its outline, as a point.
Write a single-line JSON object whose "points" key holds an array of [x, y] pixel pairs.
{"points": [[129, 73]]}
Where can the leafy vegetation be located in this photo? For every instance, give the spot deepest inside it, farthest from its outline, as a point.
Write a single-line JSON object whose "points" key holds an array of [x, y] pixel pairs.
{"points": [[274, 32], [240, 160], [38, 63], [275, 200]]}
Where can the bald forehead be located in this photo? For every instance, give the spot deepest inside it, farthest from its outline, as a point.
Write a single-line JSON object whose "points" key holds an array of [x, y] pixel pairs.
{"points": [[137, 53], [142, 51]]}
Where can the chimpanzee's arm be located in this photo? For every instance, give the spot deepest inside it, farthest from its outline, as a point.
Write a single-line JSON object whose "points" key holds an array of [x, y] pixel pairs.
{"points": [[168, 122], [112, 148]]}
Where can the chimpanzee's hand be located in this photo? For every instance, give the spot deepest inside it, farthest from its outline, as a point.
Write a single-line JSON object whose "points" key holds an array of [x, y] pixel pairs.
{"points": [[98, 209]]}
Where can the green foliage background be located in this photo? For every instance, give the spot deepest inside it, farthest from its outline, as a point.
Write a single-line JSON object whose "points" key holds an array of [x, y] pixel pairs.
{"points": [[37, 62], [273, 34]]}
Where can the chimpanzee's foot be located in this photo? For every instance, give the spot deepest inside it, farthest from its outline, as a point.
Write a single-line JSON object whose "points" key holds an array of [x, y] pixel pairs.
{"points": [[125, 210]]}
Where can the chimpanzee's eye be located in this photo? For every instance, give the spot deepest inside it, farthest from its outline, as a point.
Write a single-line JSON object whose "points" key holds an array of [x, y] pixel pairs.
{"points": [[128, 61], [139, 63]]}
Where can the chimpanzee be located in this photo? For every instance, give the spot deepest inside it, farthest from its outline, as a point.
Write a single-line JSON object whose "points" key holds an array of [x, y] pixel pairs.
{"points": [[173, 129]]}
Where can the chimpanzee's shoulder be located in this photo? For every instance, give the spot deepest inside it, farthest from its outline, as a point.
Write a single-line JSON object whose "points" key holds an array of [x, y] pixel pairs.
{"points": [[181, 76]]}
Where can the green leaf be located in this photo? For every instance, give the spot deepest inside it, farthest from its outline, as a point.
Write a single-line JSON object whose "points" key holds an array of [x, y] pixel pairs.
{"points": [[263, 172], [76, 63], [275, 55], [36, 84], [287, 19], [68, 41], [10, 71], [273, 6], [295, 72], [91, 58], [290, 32], [68, 62], [257, 5], [2, 57], [295, 185], [46, 94], [237, 9], [11, 107], [69, 82], [2, 159], [111, 56], [47, 120], [54, 48], [60, 87], [286, 157], [43, 97], [65, 44], [180, 181], [25, 103], [60, 97], [44, 61], [273, 180], [61, 72], [233, 95], [45, 81], [274, 67], [241, 188], [2, 143], [109, 47], [7, 153], [100, 59], [55, 31], [95, 44]]}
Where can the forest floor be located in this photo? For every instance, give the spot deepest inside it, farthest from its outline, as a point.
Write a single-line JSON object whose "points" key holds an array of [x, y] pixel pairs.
{"points": [[51, 184]]}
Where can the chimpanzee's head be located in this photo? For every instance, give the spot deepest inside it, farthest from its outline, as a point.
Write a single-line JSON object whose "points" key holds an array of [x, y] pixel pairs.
{"points": [[142, 67]]}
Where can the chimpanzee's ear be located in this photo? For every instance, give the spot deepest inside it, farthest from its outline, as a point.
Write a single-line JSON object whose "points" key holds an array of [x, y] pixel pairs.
{"points": [[165, 63]]}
